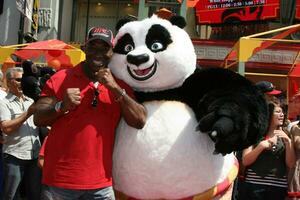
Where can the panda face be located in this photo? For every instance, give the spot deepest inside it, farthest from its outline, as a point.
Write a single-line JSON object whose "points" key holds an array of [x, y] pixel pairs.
{"points": [[152, 55]]}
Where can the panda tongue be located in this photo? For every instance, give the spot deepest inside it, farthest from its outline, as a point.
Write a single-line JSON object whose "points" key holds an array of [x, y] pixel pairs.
{"points": [[142, 72]]}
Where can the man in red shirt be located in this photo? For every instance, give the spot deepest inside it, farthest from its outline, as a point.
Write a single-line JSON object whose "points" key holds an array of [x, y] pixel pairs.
{"points": [[83, 106]]}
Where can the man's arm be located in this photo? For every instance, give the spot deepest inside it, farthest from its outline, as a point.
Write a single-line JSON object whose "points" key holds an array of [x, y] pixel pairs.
{"points": [[133, 112], [9, 126], [45, 113]]}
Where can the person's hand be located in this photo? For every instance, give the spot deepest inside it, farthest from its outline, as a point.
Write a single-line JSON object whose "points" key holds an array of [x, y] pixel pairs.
{"points": [[282, 135], [72, 99], [105, 77], [266, 144]]}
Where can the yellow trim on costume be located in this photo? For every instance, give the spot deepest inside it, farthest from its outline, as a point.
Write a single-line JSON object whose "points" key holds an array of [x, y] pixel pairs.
{"points": [[216, 190], [220, 188]]}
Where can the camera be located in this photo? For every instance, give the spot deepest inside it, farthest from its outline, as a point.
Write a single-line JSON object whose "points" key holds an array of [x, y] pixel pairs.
{"points": [[34, 78]]}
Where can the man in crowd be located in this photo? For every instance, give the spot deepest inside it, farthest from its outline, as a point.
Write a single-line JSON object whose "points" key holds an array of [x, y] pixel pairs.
{"points": [[21, 142], [268, 89], [83, 106]]}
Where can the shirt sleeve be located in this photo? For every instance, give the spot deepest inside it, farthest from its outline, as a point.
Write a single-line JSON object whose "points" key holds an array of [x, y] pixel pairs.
{"points": [[4, 112], [42, 150], [48, 89]]}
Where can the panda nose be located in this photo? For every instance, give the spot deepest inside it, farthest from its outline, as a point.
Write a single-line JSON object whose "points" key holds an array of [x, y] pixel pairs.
{"points": [[138, 59]]}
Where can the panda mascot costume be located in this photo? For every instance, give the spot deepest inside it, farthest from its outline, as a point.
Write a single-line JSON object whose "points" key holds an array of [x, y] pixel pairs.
{"points": [[196, 117]]}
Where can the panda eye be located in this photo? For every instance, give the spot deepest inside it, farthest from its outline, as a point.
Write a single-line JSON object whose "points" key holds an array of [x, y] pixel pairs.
{"points": [[128, 48], [156, 46]]}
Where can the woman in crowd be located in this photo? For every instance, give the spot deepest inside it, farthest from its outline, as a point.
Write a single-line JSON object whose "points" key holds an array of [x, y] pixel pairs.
{"points": [[268, 161]]}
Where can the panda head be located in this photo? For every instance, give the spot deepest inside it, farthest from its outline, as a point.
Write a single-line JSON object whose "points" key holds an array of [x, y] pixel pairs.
{"points": [[153, 54]]}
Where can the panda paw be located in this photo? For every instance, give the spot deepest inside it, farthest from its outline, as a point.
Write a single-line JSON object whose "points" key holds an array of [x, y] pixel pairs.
{"points": [[227, 126]]}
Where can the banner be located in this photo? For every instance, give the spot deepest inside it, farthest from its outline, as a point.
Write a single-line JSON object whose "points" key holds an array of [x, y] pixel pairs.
{"points": [[25, 7], [233, 11], [298, 10], [191, 3], [294, 92], [21, 6]]}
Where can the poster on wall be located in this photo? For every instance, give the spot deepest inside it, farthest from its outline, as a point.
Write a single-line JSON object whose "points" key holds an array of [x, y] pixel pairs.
{"points": [[233, 11]]}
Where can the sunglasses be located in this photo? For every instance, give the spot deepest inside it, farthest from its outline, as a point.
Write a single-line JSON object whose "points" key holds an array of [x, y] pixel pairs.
{"points": [[16, 79], [95, 100]]}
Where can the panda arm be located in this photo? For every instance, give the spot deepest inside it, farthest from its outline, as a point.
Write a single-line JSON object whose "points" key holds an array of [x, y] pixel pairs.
{"points": [[228, 103]]}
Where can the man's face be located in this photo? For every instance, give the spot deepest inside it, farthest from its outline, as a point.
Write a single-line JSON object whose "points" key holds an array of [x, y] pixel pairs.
{"points": [[14, 83], [98, 54]]}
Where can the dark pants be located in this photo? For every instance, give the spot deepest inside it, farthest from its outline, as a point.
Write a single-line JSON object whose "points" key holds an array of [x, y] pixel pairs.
{"points": [[262, 192], [16, 170]]}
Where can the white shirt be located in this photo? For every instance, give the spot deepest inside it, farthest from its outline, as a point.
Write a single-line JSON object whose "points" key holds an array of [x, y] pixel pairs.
{"points": [[23, 143], [2, 94]]}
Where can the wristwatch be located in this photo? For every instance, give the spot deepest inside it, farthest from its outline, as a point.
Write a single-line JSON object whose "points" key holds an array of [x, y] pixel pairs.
{"points": [[58, 106]]}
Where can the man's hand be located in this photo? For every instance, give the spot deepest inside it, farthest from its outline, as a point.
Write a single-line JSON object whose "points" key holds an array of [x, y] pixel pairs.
{"points": [[72, 99], [104, 76]]}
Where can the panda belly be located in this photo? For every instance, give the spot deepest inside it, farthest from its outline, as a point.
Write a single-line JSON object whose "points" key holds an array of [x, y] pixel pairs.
{"points": [[167, 159]]}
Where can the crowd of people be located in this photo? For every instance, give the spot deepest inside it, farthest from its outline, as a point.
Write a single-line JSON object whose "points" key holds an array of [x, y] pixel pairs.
{"points": [[269, 170], [91, 100]]}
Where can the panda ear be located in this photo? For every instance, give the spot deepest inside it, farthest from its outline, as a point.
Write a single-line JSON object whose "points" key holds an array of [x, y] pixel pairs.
{"points": [[123, 21], [178, 21]]}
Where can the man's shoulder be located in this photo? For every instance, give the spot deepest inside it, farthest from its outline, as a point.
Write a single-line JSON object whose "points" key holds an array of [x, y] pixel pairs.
{"points": [[7, 100], [63, 73], [2, 94]]}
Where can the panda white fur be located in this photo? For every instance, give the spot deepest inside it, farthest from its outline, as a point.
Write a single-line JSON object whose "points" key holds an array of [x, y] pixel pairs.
{"points": [[168, 158]]}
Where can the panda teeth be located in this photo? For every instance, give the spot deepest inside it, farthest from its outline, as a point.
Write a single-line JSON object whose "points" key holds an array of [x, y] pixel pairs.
{"points": [[143, 74]]}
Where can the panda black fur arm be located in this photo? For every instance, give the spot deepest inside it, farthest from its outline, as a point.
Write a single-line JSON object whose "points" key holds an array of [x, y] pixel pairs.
{"points": [[228, 103]]}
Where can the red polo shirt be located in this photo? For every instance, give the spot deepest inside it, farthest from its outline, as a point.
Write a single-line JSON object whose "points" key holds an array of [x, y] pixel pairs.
{"points": [[78, 153]]}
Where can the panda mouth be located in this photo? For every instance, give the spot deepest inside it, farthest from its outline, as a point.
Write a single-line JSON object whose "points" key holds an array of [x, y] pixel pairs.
{"points": [[143, 74]]}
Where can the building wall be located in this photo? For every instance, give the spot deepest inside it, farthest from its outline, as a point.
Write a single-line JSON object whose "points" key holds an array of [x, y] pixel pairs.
{"points": [[107, 14], [9, 23], [66, 20]]}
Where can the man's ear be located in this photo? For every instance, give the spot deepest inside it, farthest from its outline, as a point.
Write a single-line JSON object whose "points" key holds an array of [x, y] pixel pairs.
{"points": [[110, 52]]}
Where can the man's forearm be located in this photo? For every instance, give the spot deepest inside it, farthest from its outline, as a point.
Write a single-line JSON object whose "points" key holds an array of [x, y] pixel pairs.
{"points": [[10, 126], [133, 112], [45, 113]]}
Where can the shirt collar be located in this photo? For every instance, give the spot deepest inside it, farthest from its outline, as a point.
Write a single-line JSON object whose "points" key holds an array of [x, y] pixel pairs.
{"points": [[11, 97]]}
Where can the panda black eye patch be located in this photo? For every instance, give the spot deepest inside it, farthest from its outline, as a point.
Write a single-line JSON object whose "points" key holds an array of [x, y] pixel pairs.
{"points": [[122, 43], [158, 33]]}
